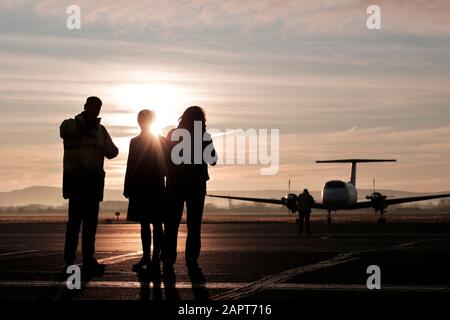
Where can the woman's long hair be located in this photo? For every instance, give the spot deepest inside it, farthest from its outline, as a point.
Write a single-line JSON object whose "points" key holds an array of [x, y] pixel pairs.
{"points": [[190, 115]]}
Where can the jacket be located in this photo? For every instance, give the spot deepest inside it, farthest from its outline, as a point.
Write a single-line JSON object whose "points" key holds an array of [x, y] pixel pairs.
{"points": [[84, 152]]}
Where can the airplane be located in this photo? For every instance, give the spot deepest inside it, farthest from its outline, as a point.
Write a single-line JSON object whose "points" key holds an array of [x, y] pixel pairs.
{"points": [[341, 195]]}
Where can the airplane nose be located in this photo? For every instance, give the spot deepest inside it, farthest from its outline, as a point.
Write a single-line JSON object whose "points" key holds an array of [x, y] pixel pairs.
{"points": [[334, 196]]}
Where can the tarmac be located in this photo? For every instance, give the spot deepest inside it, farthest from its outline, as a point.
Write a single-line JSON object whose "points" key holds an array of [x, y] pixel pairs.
{"points": [[264, 261]]}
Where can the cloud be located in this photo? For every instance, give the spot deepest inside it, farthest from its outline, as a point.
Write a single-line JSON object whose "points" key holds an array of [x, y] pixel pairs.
{"points": [[423, 160], [292, 17], [310, 68]]}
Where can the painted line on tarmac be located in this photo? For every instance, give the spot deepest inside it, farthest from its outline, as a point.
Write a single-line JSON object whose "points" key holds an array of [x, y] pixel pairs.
{"points": [[411, 244], [266, 282], [36, 254], [231, 285], [120, 258], [18, 253], [359, 287]]}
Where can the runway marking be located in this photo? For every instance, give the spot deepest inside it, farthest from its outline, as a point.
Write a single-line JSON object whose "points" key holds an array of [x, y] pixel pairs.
{"points": [[58, 272], [266, 282], [120, 258], [359, 287], [230, 285], [30, 254], [410, 244], [18, 253]]}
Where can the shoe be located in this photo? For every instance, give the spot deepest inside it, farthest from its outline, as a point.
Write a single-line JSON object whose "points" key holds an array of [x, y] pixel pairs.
{"points": [[93, 268], [145, 261], [196, 275], [169, 276]]}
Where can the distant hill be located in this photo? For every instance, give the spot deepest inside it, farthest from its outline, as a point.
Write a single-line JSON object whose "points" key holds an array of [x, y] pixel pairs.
{"points": [[52, 196]]}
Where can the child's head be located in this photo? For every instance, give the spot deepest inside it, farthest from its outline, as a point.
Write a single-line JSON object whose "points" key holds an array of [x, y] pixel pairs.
{"points": [[145, 119]]}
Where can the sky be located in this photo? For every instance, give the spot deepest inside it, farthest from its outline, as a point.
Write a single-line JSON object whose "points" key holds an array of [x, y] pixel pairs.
{"points": [[311, 69]]}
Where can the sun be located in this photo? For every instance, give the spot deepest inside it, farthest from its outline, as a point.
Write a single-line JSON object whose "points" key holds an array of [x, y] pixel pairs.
{"points": [[166, 100], [157, 128]]}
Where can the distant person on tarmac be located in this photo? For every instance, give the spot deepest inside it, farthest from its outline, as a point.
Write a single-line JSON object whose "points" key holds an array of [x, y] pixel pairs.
{"points": [[144, 187], [86, 144], [305, 203]]}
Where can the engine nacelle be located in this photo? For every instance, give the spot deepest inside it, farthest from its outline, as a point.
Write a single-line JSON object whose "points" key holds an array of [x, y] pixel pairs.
{"points": [[377, 200], [290, 201]]}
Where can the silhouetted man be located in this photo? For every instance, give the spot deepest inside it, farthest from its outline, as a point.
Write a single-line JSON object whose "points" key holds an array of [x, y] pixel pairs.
{"points": [[305, 203], [86, 144]]}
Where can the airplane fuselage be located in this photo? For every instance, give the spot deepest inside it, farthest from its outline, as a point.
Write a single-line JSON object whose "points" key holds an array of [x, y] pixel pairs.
{"points": [[338, 193]]}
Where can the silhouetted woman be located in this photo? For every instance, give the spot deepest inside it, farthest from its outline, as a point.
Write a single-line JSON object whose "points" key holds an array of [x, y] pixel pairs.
{"points": [[144, 187], [186, 183]]}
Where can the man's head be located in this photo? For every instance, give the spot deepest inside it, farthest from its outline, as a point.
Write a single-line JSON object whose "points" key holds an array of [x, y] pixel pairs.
{"points": [[92, 108], [145, 119], [305, 191]]}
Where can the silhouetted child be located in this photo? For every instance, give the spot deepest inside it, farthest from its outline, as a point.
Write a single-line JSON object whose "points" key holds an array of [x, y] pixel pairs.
{"points": [[145, 189]]}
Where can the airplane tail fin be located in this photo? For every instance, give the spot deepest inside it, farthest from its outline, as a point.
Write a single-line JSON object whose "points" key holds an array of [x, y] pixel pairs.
{"points": [[354, 162]]}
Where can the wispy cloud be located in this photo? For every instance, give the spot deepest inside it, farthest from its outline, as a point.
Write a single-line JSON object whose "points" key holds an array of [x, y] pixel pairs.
{"points": [[309, 68], [423, 160], [291, 16]]}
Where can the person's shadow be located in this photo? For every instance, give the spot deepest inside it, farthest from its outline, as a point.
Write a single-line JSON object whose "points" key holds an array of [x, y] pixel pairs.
{"points": [[171, 292], [58, 291], [199, 289], [145, 279], [63, 292]]}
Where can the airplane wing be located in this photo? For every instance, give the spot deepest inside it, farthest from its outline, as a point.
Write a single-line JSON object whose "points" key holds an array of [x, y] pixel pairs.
{"points": [[263, 200], [368, 204], [416, 198], [353, 206]]}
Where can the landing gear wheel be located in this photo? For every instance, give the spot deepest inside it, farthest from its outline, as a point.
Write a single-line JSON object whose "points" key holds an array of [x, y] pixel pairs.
{"points": [[381, 221]]}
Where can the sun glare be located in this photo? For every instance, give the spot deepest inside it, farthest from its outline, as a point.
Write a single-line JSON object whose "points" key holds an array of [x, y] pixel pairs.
{"points": [[156, 128], [167, 101]]}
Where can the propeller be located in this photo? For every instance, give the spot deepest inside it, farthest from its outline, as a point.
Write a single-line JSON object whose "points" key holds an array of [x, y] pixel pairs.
{"points": [[290, 201], [377, 199], [375, 194]]}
